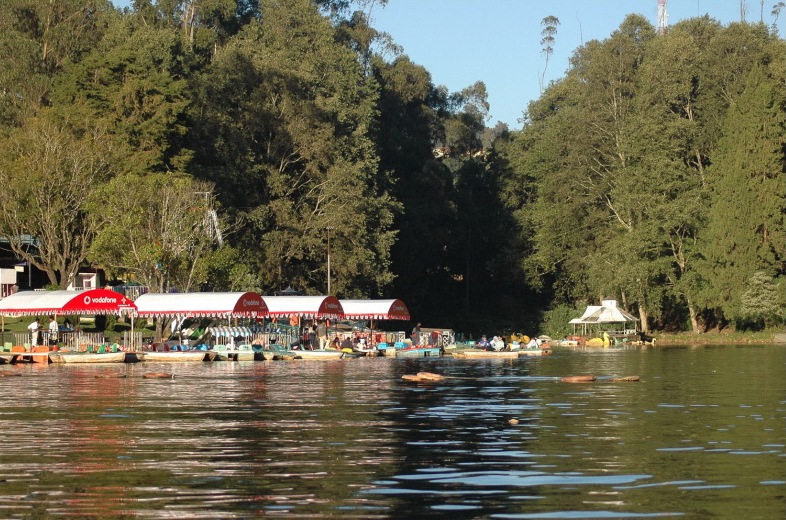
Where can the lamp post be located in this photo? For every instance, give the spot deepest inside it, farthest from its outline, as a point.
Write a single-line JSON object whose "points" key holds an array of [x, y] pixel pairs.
{"points": [[329, 229]]}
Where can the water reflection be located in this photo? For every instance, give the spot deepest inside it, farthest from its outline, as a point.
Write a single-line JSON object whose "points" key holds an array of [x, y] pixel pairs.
{"points": [[702, 434]]}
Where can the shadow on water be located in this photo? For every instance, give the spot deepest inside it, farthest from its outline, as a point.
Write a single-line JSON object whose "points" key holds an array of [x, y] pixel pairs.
{"points": [[702, 434]]}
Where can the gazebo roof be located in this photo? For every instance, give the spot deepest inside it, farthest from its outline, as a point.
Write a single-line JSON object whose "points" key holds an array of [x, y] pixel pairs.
{"points": [[608, 312]]}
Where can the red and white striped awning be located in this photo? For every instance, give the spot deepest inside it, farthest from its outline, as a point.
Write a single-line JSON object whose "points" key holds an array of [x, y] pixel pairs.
{"points": [[309, 307], [202, 305], [375, 309], [91, 302]]}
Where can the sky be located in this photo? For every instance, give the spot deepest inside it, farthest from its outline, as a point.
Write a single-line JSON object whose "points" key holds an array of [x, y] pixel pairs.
{"points": [[461, 42]]}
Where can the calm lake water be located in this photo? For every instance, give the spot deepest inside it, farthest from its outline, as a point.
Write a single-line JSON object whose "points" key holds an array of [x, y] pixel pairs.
{"points": [[703, 435]]}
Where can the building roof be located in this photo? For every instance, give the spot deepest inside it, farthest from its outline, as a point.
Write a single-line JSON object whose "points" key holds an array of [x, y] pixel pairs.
{"points": [[607, 312]]}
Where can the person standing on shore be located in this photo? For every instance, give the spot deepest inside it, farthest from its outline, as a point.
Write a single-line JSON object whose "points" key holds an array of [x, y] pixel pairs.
{"points": [[416, 334], [54, 331], [33, 328], [322, 335]]}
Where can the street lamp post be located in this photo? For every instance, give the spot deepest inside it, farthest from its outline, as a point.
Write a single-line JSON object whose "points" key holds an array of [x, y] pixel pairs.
{"points": [[329, 229]]}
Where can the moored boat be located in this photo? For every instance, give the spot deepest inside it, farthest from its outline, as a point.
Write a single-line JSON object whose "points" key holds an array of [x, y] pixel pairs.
{"points": [[178, 357], [87, 357], [326, 354], [418, 351], [485, 354]]}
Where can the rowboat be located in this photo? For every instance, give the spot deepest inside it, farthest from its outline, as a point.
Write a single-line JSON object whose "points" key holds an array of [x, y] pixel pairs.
{"points": [[315, 354], [533, 352], [87, 357], [178, 357], [485, 354]]}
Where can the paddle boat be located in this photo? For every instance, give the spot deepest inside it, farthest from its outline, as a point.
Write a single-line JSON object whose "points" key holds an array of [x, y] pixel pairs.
{"points": [[233, 352]]}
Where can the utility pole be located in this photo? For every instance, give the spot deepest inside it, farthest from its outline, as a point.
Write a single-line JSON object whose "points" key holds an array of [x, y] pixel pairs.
{"points": [[329, 228]]}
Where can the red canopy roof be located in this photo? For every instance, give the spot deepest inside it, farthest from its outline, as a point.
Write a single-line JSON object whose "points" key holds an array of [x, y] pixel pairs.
{"points": [[95, 301], [309, 307], [204, 304], [375, 309]]}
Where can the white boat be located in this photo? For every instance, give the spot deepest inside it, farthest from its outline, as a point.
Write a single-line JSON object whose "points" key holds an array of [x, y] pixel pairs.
{"points": [[316, 354], [87, 357], [178, 357], [233, 353]]}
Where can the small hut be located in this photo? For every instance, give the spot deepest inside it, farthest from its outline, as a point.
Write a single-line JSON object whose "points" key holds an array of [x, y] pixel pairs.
{"points": [[606, 317]]}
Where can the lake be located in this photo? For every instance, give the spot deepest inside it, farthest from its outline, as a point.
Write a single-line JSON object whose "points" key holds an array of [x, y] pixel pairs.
{"points": [[702, 435]]}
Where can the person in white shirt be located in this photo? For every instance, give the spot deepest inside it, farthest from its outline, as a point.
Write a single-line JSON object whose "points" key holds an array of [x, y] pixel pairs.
{"points": [[54, 331], [33, 328]]}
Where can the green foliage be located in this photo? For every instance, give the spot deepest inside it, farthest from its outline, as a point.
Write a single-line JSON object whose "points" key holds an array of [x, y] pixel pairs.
{"points": [[763, 302], [556, 322]]}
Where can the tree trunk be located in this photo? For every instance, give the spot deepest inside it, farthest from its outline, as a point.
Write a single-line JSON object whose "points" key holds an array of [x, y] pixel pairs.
{"points": [[645, 328], [694, 320]]}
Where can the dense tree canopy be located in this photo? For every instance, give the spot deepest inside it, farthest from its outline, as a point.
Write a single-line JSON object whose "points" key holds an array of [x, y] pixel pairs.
{"points": [[221, 144]]}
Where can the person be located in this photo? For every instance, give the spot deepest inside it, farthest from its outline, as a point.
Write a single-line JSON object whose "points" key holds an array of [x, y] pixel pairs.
{"points": [[346, 343], [416, 334], [322, 335], [54, 331], [33, 328], [484, 343]]}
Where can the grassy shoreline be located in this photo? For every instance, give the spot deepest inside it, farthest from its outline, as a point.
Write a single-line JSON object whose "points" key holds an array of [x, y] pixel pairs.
{"points": [[720, 338]]}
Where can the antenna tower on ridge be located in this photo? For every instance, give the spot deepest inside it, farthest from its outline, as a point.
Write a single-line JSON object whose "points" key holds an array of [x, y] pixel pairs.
{"points": [[663, 17]]}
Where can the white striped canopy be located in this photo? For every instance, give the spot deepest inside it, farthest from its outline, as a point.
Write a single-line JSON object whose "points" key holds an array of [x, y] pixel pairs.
{"points": [[91, 302], [202, 305], [308, 307], [233, 332], [375, 309]]}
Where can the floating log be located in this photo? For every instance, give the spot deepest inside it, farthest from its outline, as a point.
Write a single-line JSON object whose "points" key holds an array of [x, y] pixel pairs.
{"points": [[578, 379], [423, 376]]}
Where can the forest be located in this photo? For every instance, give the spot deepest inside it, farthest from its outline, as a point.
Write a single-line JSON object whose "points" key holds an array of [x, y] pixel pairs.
{"points": [[227, 145]]}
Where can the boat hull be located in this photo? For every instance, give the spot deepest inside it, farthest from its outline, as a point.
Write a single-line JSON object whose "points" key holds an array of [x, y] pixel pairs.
{"points": [[485, 354], [179, 357], [417, 352], [316, 354], [109, 357]]}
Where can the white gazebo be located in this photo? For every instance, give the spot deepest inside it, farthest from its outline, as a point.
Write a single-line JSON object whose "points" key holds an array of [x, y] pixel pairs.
{"points": [[607, 313]]}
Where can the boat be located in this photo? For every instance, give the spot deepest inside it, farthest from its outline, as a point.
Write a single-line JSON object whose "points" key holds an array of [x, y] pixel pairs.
{"points": [[87, 357], [324, 354], [178, 356], [233, 352], [418, 351], [476, 353], [533, 352], [270, 352]]}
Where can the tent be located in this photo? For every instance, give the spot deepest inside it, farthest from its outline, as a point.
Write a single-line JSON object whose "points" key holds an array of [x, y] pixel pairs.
{"points": [[91, 302], [202, 305], [309, 307], [604, 314], [375, 309]]}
